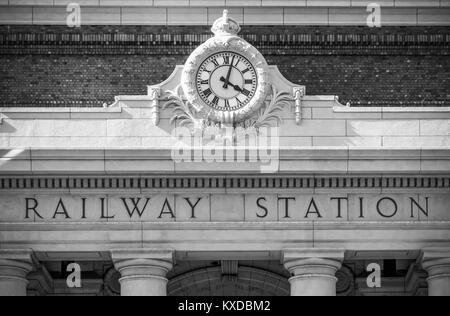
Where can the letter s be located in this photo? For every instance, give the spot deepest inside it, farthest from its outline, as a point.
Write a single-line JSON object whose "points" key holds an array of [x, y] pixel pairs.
{"points": [[262, 207]]}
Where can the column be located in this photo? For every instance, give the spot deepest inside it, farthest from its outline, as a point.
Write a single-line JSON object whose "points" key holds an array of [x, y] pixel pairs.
{"points": [[436, 261], [14, 268], [143, 271], [313, 270]]}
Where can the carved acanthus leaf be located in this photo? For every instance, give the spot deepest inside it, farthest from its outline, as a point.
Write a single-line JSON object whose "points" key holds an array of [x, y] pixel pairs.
{"points": [[182, 110], [271, 114]]}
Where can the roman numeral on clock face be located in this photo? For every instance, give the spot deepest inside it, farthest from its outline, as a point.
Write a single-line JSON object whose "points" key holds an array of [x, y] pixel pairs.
{"points": [[248, 81], [207, 92], [227, 103], [204, 82], [226, 60], [246, 92], [215, 62], [245, 71], [215, 101]]}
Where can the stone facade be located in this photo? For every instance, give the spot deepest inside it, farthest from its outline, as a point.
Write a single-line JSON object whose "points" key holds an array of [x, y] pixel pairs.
{"points": [[314, 198]]}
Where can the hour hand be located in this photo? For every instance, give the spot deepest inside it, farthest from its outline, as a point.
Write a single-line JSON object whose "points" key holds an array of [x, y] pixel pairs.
{"points": [[235, 87]]}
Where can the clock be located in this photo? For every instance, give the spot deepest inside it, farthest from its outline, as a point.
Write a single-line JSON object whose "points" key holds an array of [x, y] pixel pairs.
{"points": [[226, 79]]}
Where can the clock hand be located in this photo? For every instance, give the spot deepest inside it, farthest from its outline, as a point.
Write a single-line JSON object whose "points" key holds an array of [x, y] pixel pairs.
{"points": [[235, 87], [225, 85]]}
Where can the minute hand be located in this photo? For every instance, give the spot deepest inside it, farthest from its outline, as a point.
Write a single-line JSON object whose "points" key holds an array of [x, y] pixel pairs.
{"points": [[227, 81]]}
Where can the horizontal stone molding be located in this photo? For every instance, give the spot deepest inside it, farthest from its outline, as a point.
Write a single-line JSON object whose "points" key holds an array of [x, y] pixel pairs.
{"points": [[60, 112], [314, 108], [306, 226], [393, 112], [292, 160], [231, 238], [249, 182]]}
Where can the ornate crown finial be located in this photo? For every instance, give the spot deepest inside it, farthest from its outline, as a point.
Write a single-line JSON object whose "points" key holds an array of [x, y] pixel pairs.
{"points": [[226, 26], [225, 15]]}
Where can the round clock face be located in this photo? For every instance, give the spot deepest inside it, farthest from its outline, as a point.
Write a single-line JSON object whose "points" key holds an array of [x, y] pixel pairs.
{"points": [[227, 81]]}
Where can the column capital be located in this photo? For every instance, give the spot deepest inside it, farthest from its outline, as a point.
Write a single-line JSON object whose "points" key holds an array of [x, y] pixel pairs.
{"points": [[19, 258], [428, 254], [159, 257], [143, 253], [143, 271], [436, 261], [313, 270], [14, 268], [304, 256], [25, 255]]}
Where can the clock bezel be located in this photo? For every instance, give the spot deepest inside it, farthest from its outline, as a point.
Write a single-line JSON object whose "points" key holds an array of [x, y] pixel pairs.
{"points": [[248, 99], [214, 46]]}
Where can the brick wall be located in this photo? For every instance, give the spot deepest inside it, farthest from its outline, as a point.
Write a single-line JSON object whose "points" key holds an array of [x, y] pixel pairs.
{"points": [[57, 66]]}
